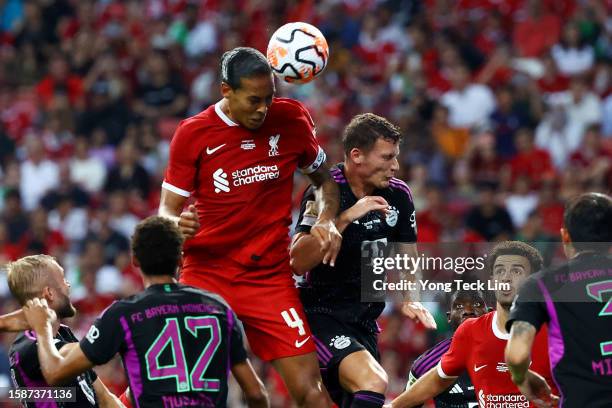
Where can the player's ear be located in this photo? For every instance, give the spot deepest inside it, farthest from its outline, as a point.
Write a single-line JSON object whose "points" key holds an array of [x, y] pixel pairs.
{"points": [[135, 262], [448, 316], [48, 294], [226, 90], [356, 156], [565, 237]]}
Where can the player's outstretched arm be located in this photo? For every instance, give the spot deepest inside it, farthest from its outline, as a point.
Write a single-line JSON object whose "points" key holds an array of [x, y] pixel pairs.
{"points": [[428, 386], [518, 349], [251, 385], [56, 369], [325, 229], [13, 322], [106, 399], [171, 206]]}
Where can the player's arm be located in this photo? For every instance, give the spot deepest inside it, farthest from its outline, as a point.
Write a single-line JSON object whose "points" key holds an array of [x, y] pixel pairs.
{"points": [[13, 322], [518, 349], [306, 250], [106, 399], [442, 376], [425, 388], [253, 388], [179, 181], [171, 206], [56, 369], [324, 230]]}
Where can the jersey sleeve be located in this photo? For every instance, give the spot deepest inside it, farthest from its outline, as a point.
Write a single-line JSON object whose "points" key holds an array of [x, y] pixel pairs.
{"points": [[238, 353], [104, 338], [312, 156], [407, 215], [454, 361], [308, 212], [529, 306], [181, 172]]}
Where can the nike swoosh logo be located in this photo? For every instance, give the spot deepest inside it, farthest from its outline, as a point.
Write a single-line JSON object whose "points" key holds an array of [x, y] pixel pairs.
{"points": [[476, 369], [211, 151], [299, 344]]}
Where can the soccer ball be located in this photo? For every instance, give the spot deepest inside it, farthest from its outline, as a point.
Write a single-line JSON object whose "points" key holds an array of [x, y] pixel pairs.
{"points": [[298, 52]]}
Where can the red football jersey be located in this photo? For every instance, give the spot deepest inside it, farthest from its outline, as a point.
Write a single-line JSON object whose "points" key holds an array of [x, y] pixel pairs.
{"points": [[242, 181], [478, 346]]}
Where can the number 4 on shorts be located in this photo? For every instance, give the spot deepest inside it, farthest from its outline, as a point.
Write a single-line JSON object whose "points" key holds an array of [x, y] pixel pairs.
{"points": [[294, 320]]}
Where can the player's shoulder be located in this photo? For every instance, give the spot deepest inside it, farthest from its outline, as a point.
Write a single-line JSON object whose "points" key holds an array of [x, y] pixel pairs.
{"points": [[205, 294], [23, 348], [200, 121], [289, 108], [430, 358], [337, 173], [399, 187]]}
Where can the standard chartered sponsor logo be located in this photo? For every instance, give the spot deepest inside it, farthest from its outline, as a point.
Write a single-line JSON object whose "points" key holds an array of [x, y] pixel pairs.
{"points": [[254, 174], [243, 177], [220, 181], [502, 400]]}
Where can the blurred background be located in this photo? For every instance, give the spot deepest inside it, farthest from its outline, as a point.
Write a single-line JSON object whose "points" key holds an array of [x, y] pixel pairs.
{"points": [[505, 108]]}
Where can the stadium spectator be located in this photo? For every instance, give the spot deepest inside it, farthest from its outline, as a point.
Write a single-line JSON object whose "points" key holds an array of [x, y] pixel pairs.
{"points": [[469, 104], [38, 174], [573, 55]]}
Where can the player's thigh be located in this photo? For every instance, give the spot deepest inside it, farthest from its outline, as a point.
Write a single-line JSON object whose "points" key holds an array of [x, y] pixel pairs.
{"points": [[359, 371], [274, 322], [300, 373]]}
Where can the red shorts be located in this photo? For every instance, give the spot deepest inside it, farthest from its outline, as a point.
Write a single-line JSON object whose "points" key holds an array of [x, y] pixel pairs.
{"points": [[265, 300]]}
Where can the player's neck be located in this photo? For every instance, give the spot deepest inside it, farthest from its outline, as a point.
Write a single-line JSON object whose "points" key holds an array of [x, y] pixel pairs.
{"points": [[502, 317], [358, 187], [225, 109], [157, 280]]}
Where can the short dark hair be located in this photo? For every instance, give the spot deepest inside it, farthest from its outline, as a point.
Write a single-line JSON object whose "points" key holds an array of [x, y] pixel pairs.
{"points": [[156, 245], [516, 248], [243, 62], [588, 218], [365, 129]]}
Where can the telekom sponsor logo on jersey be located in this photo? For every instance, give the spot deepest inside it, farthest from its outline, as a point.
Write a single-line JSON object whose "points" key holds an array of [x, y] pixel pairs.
{"points": [[242, 177], [502, 400]]}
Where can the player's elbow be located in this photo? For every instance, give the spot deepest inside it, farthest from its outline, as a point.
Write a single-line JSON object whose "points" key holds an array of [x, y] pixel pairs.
{"points": [[53, 378], [298, 267], [515, 357]]}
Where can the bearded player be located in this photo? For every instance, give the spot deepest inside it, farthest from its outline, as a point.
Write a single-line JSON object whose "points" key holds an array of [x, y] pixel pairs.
{"points": [[237, 160], [478, 344], [376, 210]]}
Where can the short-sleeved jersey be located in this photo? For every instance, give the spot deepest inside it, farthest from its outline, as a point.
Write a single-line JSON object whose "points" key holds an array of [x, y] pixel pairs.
{"points": [[242, 180], [337, 289], [177, 343], [575, 300], [459, 395], [25, 369], [478, 347]]}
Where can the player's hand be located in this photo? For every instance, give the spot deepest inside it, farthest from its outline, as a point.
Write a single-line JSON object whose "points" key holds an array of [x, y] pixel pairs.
{"points": [[416, 311], [38, 314], [535, 388], [329, 238], [364, 206], [188, 222]]}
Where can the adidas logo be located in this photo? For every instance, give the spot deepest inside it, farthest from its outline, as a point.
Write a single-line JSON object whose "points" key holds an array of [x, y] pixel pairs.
{"points": [[456, 389], [220, 181]]}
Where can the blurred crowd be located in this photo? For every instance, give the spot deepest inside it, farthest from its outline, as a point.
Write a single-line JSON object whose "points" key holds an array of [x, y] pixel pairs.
{"points": [[505, 106]]}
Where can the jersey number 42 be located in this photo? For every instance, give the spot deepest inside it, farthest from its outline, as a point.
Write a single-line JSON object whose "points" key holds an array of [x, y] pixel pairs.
{"points": [[187, 378]]}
